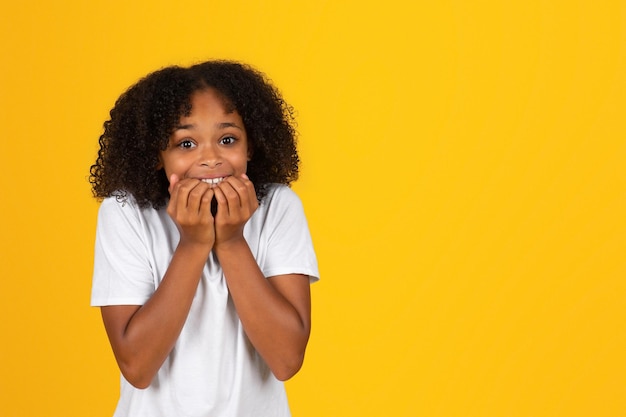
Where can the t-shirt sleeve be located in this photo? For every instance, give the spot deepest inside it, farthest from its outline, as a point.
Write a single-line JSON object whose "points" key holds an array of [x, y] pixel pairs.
{"points": [[122, 269], [290, 247]]}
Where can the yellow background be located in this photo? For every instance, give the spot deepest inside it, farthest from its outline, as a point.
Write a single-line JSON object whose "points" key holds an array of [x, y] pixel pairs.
{"points": [[463, 176]]}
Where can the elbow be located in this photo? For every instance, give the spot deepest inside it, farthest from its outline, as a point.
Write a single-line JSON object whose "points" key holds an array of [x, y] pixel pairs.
{"points": [[137, 377], [288, 363], [286, 369], [138, 382], [285, 376]]}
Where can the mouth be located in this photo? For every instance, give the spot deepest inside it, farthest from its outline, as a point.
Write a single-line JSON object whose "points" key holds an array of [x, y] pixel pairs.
{"points": [[213, 181]]}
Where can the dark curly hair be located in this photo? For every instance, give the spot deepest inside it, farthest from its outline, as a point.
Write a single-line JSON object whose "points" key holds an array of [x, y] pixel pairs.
{"points": [[144, 117]]}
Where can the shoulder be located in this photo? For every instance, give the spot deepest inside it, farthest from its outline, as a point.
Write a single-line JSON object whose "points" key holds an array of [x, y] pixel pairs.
{"points": [[120, 208], [281, 205], [118, 204], [280, 194]]}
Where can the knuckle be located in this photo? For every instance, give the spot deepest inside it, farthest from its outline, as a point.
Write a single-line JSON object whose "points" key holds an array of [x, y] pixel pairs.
{"points": [[196, 191]]}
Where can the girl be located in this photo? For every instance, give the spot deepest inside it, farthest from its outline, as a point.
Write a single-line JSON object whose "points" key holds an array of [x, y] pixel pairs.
{"points": [[203, 257]]}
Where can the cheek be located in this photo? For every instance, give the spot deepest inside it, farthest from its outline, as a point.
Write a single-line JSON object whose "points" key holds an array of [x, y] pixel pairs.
{"points": [[171, 166], [241, 168], [243, 162]]}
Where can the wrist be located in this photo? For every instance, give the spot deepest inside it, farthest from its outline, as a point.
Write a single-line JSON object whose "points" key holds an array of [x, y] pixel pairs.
{"points": [[194, 248], [232, 245]]}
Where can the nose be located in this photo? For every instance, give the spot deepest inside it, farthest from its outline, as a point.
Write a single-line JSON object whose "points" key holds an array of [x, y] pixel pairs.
{"points": [[210, 157]]}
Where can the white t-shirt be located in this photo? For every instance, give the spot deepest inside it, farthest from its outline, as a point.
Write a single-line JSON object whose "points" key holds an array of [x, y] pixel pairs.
{"points": [[213, 369]]}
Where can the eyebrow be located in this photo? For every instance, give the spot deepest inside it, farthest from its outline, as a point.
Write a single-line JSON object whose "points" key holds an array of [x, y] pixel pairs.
{"points": [[222, 125]]}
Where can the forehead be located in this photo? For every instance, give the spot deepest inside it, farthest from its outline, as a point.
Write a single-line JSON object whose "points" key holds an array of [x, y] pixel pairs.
{"points": [[210, 108], [210, 98]]}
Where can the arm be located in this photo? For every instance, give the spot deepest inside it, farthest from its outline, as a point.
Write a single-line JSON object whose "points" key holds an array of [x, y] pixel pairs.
{"points": [[275, 312], [143, 336]]}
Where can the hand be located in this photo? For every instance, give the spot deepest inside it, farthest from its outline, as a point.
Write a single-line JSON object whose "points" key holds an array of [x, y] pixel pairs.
{"points": [[236, 202], [190, 209]]}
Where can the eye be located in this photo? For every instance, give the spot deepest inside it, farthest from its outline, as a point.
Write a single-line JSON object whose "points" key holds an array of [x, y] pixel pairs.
{"points": [[227, 140], [185, 144]]}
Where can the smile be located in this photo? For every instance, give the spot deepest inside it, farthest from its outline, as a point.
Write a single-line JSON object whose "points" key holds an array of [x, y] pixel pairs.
{"points": [[213, 181]]}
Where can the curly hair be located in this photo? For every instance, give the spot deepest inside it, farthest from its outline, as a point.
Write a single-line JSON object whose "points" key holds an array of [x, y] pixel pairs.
{"points": [[145, 116]]}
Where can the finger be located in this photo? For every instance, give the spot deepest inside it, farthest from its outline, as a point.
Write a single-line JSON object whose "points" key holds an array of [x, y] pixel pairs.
{"points": [[199, 196], [231, 193], [173, 180], [245, 193], [183, 192], [204, 210], [251, 192], [173, 203], [222, 202]]}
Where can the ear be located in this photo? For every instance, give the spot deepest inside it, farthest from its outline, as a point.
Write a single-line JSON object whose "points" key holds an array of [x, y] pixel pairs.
{"points": [[159, 164], [249, 154]]}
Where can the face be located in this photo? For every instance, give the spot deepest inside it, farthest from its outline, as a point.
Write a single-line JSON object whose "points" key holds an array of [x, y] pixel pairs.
{"points": [[210, 144]]}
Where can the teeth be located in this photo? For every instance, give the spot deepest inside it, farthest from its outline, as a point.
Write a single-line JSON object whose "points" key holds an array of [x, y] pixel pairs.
{"points": [[213, 181]]}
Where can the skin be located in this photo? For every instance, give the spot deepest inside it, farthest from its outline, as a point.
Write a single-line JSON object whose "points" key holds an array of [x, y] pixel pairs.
{"points": [[275, 312]]}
